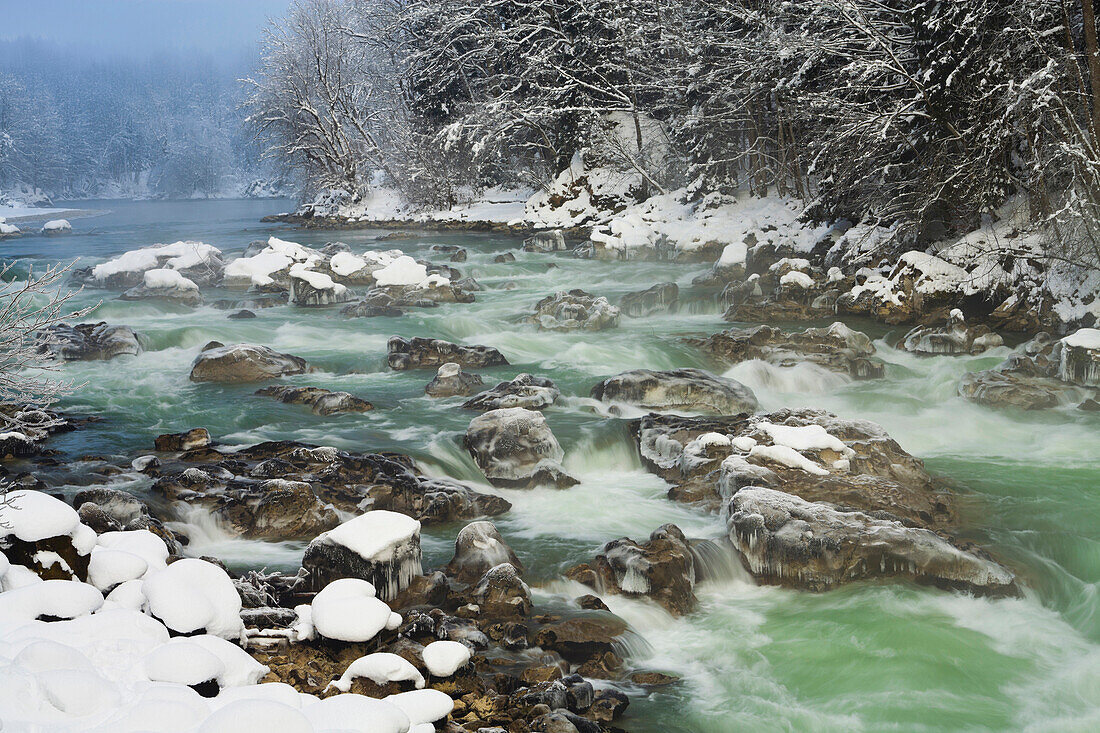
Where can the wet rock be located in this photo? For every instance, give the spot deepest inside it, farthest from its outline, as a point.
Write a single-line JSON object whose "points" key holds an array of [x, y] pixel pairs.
{"points": [[478, 548], [451, 381], [231, 487], [175, 442], [533, 393], [662, 569], [284, 510], [501, 593], [90, 341], [653, 679], [956, 337], [241, 315], [575, 310], [810, 453], [694, 390], [1089, 405], [244, 363], [836, 348], [424, 353], [320, 401], [549, 241], [459, 256], [503, 258], [380, 547], [608, 705], [582, 638], [515, 448], [785, 539], [997, 388], [105, 509], [376, 305], [661, 298]]}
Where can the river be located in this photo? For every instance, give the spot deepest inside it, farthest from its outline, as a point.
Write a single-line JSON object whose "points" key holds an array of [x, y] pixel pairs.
{"points": [[866, 657]]}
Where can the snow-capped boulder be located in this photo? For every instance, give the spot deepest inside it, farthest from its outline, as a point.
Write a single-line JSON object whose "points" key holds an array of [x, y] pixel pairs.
{"points": [[502, 593], [479, 546], [348, 609], [8, 230], [660, 298], [662, 568], [381, 668], [381, 547], [424, 353], [1030, 378], [321, 401], [193, 595], [693, 390], [836, 348], [451, 381], [1080, 358], [45, 535], [90, 341], [921, 286], [423, 707], [575, 310], [356, 713], [533, 393], [956, 337], [515, 448], [244, 363], [312, 288], [199, 263], [787, 540], [444, 658], [57, 226], [165, 284]]}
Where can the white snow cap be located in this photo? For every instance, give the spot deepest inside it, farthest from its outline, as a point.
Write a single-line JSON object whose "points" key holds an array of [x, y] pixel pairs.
{"points": [[347, 610], [33, 515], [380, 668], [166, 278], [190, 595], [444, 658], [357, 713], [175, 256], [57, 225], [423, 706], [402, 271], [377, 535], [1085, 338]]}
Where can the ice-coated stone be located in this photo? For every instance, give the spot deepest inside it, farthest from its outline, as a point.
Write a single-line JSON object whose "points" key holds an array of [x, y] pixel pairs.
{"points": [[533, 393], [575, 310], [479, 547], [515, 448], [451, 381], [90, 341], [244, 363], [425, 353], [381, 547], [692, 390]]}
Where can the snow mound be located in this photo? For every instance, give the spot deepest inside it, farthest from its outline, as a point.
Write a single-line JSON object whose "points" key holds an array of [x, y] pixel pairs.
{"points": [[357, 713], [164, 278], [33, 515], [444, 658], [57, 225], [175, 256], [377, 536], [191, 595], [257, 716], [347, 610], [402, 271], [183, 662], [423, 706], [380, 668]]}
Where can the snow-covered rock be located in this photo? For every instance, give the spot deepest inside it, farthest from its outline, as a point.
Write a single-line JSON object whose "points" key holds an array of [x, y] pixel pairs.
{"points": [[380, 668], [57, 226], [194, 595], [575, 310], [956, 337], [526, 390], [44, 535], [451, 381], [197, 262], [422, 706], [379, 546], [311, 288], [515, 448], [444, 658], [165, 284], [348, 610], [1080, 358]]}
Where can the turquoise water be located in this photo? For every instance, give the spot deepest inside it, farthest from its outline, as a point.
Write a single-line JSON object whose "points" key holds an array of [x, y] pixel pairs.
{"points": [[862, 658]]}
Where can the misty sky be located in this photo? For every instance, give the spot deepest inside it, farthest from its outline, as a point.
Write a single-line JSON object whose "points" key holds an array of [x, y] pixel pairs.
{"points": [[140, 26]]}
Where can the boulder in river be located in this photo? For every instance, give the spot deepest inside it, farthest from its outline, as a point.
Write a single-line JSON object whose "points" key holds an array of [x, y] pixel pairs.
{"points": [[788, 540], [956, 337], [836, 348], [321, 401], [548, 241], [691, 390], [199, 263], [192, 439], [533, 393], [90, 341], [451, 381], [515, 448], [380, 547], [165, 284], [425, 353], [479, 547], [1079, 362], [244, 363], [662, 568], [661, 298], [575, 310], [1041, 373], [810, 453], [311, 288]]}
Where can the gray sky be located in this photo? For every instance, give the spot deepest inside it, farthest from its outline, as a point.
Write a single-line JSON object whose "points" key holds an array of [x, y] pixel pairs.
{"points": [[140, 26]]}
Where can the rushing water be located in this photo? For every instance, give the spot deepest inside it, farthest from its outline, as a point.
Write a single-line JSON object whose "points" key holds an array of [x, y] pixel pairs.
{"points": [[866, 657]]}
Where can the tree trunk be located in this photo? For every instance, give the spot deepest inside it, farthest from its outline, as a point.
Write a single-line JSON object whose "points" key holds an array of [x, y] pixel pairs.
{"points": [[1092, 54]]}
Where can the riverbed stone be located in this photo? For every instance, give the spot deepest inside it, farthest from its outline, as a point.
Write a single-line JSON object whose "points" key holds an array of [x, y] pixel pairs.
{"points": [[320, 401], [526, 390], [451, 381], [425, 353], [660, 298], [836, 348], [479, 546], [244, 363], [954, 338], [90, 341], [575, 310], [515, 448], [814, 545], [693, 390]]}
